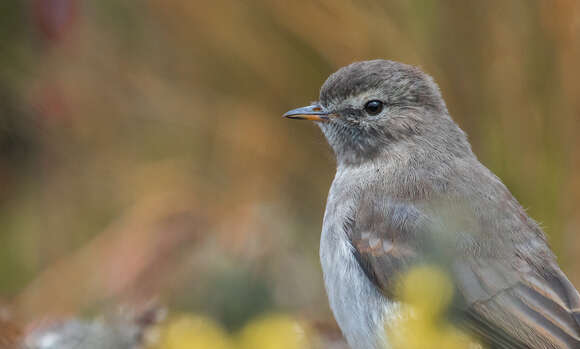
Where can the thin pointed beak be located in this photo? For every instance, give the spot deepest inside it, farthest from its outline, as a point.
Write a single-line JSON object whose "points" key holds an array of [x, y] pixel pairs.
{"points": [[314, 112]]}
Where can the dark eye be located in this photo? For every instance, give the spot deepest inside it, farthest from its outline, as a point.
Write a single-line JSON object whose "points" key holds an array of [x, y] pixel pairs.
{"points": [[373, 107]]}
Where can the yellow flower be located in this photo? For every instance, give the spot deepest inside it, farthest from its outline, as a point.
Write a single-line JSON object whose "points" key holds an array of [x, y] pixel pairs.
{"points": [[193, 332], [274, 332], [426, 292]]}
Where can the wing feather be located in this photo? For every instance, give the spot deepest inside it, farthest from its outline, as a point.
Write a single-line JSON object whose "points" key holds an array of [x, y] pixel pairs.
{"points": [[501, 304]]}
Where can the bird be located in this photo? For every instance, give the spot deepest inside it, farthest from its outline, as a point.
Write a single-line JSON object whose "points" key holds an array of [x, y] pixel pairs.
{"points": [[408, 190]]}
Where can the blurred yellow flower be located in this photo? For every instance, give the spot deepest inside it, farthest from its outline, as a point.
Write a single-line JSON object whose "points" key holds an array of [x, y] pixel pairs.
{"points": [[426, 292], [275, 331], [193, 332]]}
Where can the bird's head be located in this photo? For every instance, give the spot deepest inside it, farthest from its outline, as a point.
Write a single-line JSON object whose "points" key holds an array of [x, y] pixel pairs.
{"points": [[367, 107]]}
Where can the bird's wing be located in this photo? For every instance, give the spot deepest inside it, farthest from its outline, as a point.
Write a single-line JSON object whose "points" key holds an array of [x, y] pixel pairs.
{"points": [[539, 307], [506, 303]]}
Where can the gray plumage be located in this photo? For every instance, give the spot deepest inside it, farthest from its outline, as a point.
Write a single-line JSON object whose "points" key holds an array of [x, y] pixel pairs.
{"points": [[409, 190]]}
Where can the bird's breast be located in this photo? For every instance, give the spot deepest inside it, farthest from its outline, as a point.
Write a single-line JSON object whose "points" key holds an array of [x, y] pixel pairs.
{"points": [[359, 307]]}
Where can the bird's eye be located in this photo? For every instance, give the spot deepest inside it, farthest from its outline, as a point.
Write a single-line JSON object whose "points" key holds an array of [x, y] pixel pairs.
{"points": [[373, 107]]}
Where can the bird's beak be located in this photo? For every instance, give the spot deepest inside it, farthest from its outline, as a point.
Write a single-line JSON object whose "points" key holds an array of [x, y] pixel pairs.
{"points": [[314, 112]]}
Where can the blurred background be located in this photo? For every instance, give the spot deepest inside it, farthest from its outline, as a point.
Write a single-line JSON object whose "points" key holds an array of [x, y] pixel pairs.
{"points": [[143, 157]]}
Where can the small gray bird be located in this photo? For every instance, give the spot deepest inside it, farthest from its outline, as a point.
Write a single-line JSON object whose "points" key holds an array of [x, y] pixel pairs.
{"points": [[409, 190]]}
